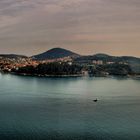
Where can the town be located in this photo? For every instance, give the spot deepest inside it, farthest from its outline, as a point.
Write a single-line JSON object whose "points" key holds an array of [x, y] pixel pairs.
{"points": [[94, 68], [55, 62]]}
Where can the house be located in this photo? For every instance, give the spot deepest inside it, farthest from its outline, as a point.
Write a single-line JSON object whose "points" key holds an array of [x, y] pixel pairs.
{"points": [[97, 62]]}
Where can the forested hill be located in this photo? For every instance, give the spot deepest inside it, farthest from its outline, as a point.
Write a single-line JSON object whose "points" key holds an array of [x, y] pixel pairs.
{"points": [[55, 53]]}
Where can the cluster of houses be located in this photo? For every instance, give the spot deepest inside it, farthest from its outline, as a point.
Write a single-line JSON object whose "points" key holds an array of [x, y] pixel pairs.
{"points": [[100, 62], [7, 64]]}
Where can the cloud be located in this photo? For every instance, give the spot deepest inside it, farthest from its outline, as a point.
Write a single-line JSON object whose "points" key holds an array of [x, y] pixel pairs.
{"points": [[104, 25]]}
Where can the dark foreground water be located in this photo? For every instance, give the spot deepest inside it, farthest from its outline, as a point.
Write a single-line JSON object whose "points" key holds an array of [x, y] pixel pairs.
{"points": [[62, 108]]}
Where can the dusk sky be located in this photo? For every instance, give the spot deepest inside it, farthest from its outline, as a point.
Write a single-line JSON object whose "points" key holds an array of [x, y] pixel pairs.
{"points": [[84, 26]]}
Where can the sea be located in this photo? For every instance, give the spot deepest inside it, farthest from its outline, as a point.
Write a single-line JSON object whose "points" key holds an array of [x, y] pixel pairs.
{"points": [[63, 108]]}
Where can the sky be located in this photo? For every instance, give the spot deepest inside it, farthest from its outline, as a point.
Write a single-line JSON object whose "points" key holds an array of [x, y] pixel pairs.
{"points": [[85, 26]]}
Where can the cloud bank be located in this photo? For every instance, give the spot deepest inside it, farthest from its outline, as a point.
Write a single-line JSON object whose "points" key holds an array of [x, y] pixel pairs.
{"points": [[85, 26]]}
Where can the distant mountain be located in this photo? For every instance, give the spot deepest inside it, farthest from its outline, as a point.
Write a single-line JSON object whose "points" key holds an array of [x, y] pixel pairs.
{"points": [[108, 58], [55, 53], [101, 55], [90, 58], [12, 56]]}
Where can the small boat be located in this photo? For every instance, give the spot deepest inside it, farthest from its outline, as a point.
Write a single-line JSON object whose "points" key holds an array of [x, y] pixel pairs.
{"points": [[95, 100]]}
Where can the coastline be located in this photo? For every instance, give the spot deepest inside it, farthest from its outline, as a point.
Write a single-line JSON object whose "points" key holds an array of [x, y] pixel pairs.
{"points": [[75, 75], [39, 75]]}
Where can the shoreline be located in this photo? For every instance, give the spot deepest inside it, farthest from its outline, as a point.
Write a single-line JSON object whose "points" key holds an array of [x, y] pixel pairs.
{"points": [[75, 75], [39, 75]]}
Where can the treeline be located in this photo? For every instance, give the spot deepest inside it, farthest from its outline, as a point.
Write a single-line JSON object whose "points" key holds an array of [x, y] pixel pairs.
{"points": [[51, 69], [112, 69], [57, 68]]}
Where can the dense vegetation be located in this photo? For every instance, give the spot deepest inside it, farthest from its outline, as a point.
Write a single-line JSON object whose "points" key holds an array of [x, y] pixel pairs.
{"points": [[110, 69], [57, 68], [118, 69], [51, 69]]}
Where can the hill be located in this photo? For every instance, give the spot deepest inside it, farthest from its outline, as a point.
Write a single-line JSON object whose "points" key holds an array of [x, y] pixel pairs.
{"points": [[12, 56], [133, 62], [107, 58], [55, 53]]}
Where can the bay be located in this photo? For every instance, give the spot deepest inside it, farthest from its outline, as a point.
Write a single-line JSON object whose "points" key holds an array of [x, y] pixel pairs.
{"points": [[37, 108]]}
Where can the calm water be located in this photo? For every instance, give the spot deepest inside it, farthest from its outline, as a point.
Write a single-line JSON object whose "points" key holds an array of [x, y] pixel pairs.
{"points": [[62, 108]]}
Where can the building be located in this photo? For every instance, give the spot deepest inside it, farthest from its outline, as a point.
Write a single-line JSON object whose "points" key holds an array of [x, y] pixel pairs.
{"points": [[97, 62]]}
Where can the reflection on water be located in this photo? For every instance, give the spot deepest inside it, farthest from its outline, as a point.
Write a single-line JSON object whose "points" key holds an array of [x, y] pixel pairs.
{"points": [[62, 108]]}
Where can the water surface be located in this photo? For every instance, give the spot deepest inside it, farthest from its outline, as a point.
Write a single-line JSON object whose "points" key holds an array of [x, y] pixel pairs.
{"points": [[62, 108]]}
